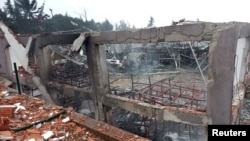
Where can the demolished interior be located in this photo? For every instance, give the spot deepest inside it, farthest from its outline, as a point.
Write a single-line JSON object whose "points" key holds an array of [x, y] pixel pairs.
{"points": [[165, 83]]}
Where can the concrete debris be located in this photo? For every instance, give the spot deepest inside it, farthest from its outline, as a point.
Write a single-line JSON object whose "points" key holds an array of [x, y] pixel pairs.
{"points": [[66, 119], [47, 134], [19, 107], [78, 42], [18, 53], [63, 51], [26, 118], [6, 93]]}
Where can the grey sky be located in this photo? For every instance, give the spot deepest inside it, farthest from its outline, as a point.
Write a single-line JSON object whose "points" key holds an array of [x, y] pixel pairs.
{"points": [[138, 12]]}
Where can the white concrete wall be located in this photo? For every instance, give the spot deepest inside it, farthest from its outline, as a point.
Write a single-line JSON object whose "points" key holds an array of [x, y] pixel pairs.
{"points": [[18, 53], [241, 60]]}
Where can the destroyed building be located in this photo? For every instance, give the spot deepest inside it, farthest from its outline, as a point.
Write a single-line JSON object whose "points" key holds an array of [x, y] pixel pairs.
{"points": [[164, 83]]}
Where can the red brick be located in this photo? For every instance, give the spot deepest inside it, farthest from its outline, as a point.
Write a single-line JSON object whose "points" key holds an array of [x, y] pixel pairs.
{"points": [[4, 124], [7, 110]]}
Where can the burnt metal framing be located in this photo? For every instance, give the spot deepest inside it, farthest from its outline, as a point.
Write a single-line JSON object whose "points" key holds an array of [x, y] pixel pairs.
{"points": [[223, 39], [167, 92]]}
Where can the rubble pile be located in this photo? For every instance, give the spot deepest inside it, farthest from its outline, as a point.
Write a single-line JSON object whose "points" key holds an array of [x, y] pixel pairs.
{"points": [[26, 118]]}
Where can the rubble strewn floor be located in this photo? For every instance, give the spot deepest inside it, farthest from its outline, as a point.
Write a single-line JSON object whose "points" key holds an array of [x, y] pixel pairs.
{"points": [[33, 119], [27, 118], [176, 89]]}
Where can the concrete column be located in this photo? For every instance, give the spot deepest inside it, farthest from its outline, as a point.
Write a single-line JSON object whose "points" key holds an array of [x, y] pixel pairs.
{"points": [[44, 60], [8, 64], [47, 62], [99, 79], [221, 76]]}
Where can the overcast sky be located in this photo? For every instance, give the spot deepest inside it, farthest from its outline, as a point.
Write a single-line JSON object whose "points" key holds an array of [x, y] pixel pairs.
{"points": [[138, 12]]}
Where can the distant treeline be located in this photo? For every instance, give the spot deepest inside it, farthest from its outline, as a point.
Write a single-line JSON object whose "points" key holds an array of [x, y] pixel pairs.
{"points": [[26, 16]]}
